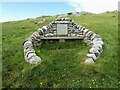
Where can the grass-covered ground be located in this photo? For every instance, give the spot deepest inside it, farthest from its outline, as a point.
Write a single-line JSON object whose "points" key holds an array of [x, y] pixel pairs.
{"points": [[62, 63]]}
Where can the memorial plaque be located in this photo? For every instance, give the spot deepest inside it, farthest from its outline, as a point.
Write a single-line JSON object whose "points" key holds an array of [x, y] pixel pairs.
{"points": [[62, 29]]}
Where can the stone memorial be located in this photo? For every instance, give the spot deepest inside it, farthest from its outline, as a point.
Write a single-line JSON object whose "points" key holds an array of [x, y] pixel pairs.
{"points": [[62, 29]]}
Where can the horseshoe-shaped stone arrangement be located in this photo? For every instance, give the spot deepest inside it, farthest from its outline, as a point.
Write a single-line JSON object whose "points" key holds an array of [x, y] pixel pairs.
{"points": [[74, 30]]}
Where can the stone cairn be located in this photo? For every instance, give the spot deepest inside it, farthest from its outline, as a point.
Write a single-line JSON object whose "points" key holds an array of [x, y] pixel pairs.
{"points": [[74, 30]]}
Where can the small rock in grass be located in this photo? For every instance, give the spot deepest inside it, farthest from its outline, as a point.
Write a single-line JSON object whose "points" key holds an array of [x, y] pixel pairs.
{"points": [[30, 25], [89, 61], [35, 60]]}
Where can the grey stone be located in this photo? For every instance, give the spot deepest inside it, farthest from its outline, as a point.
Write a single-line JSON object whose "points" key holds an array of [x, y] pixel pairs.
{"points": [[62, 29]]}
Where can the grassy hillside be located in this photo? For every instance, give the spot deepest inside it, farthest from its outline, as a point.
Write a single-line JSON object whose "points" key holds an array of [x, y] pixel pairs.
{"points": [[62, 63]]}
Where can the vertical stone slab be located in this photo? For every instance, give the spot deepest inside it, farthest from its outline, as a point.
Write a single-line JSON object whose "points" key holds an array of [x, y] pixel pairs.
{"points": [[62, 29]]}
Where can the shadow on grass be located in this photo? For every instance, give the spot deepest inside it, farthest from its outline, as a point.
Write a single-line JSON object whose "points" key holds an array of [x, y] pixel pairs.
{"points": [[55, 44]]}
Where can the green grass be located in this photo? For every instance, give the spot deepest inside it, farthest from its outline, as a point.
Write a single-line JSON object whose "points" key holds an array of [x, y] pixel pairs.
{"points": [[62, 63]]}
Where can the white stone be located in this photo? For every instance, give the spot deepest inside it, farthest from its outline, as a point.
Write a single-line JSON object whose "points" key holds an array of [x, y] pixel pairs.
{"points": [[97, 39], [45, 27], [98, 42], [62, 19], [28, 44], [98, 48], [78, 26], [36, 34], [88, 42], [40, 29], [27, 53], [89, 61], [88, 33], [92, 56], [48, 35], [82, 28], [35, 60], [29, 49], [97, 45], [33, 36], [94, 50], [73, 34], [93, 36], [66, 18], [80, 35], [84, 32], [30, 55]]}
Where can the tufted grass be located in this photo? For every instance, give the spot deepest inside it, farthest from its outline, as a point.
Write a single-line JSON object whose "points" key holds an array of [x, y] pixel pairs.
{"points": [[62, 63]]}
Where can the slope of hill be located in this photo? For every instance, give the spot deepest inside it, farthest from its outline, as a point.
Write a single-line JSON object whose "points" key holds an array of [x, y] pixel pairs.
{"points": [[62, 64]]}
